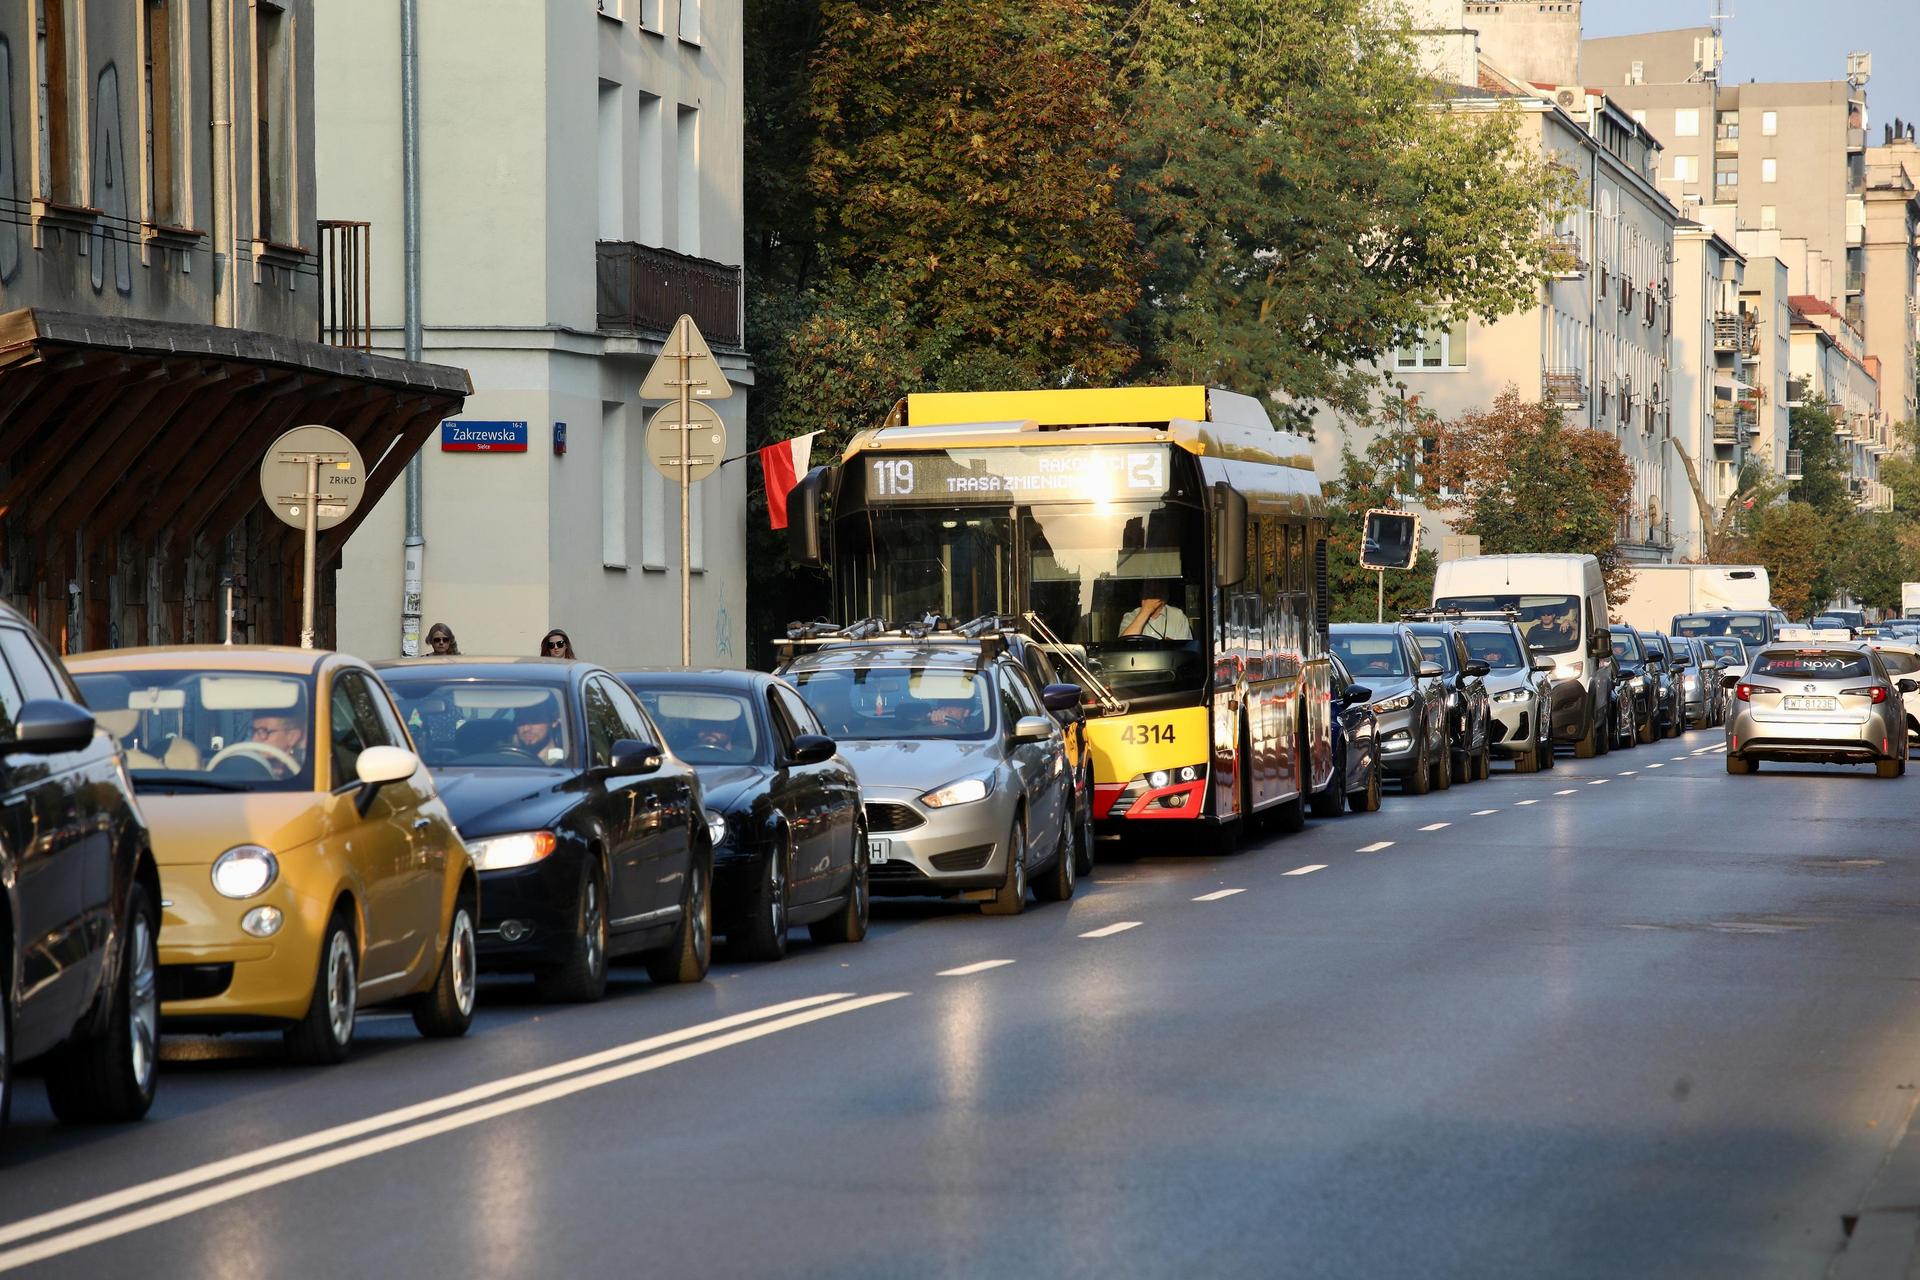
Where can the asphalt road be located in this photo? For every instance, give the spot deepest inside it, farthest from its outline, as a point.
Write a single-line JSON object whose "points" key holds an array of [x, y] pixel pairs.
{"points": [[1632, 1017]]}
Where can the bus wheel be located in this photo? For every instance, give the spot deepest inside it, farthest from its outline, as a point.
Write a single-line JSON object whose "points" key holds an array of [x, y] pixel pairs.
{"points": [[1291, 815]]}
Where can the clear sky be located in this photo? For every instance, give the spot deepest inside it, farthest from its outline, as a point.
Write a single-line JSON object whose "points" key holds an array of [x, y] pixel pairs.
{"points": [[1794, 40]]}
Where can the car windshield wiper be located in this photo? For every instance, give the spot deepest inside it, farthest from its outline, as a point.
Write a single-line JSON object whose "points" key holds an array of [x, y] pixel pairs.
{"points": [[203, 784]]}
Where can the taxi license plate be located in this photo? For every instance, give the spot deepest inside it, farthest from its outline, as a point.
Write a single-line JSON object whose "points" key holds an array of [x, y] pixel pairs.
{"points": [[879, 851], [1795, 702]]}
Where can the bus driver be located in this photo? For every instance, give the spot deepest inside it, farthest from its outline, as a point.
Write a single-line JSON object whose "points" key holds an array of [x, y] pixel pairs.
{"points": [[1155, 617]]}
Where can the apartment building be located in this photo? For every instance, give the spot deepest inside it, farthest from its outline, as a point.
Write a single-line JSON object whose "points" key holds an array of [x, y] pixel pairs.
{"points": [[1711, 425], [1828, 371], [580, 182], [1891, 248], [170, 303]]}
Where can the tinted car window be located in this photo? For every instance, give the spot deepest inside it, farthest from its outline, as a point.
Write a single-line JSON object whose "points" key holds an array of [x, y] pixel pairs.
{"points": [[480, 724], [1813, 664], [1551, 624], [10, 700], [1901, 664], [1656, 648], [1436, 649], [604, 725], [356, 724], [30, 670], [1627, 646], [706, 726], [1024, 693], [1371, 656], [1498, 649], [797, 712], [236, 729], [1751, 627], [898, 702]]}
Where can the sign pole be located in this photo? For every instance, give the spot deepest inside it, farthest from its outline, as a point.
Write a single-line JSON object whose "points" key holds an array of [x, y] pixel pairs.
{"points": [[686, 492], [1380, 595], [312, 538]]}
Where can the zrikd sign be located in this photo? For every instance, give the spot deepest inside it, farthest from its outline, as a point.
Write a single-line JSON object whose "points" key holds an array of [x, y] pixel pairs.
{"points": [[483, 437]]}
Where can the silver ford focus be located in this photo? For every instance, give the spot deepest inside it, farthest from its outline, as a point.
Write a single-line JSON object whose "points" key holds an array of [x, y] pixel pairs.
{"points": [[964, 772], [1822, 699]]}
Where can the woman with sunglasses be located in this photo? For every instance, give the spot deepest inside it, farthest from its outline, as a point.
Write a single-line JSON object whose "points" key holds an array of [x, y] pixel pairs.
{"points": [[556, 645], [440, 641]]}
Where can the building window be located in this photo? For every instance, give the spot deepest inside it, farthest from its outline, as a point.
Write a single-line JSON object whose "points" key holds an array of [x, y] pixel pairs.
{"points": [[612, 172], [613, 484], [274, 170], [651, 158], [1435, 349], [1768, 169], [1726, 174], [1769, 123], [690, 21], [54, 55], [1686, 123], [1686, 168], [1768, 217], [1726, 126], [650, 18], [687, 179], [165, 204], [1640, 116], [653, 518]]}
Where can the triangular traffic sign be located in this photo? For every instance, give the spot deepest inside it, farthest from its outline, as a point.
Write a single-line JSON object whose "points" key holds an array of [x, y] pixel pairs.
{"points": [[663, 379]]}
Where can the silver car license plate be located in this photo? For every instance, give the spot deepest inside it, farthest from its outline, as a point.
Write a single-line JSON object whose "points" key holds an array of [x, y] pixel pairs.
{"points": [[1795, 702], [879, 851]]}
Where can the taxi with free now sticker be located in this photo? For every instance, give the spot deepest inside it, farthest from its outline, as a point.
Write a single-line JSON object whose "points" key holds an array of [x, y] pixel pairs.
{"points": [[1818, 696]]}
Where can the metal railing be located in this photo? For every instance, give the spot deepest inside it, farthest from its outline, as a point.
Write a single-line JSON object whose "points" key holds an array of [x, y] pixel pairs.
{"points": [[1566, 256], [346, 284], [639, 288], [1566, 388], [1793, 465], [1729, 331]]}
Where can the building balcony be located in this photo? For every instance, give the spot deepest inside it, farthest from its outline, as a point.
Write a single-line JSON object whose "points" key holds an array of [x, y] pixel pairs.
{"points": [[1731, 424], [1564, 389], [1734, 331], [346, 284], [1566, 257], [641, 289], [1856, 280], [1856, 139], [1797, 389], [1793, 465]]}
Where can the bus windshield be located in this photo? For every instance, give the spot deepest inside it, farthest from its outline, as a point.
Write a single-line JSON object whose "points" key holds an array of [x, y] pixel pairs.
{"points": [[1551, 624]]}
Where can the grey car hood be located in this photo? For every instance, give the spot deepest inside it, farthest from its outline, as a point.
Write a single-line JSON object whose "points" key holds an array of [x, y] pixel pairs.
{"points": [[918, 764]]}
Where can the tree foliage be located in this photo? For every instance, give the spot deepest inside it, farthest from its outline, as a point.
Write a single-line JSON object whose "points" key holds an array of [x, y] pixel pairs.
{"points": [[1369, 481], [1524, 482], [1824, 463], [1791, 540]]}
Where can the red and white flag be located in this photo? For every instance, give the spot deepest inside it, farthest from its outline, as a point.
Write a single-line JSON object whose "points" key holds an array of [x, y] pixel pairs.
{"points": [[782, 465]]}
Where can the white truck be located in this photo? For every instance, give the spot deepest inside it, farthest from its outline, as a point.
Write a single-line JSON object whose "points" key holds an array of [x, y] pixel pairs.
{"points": [[1910, 599], [1661, 592]]}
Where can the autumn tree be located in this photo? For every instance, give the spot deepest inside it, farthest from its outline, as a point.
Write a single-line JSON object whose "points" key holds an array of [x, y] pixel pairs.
{"points": [[1305, 199], [1522, 481], [1380, 478], [1792, 539]]}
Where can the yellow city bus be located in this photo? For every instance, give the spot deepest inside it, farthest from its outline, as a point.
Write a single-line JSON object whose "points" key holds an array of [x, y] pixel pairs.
{"points": [[1168, 544]]}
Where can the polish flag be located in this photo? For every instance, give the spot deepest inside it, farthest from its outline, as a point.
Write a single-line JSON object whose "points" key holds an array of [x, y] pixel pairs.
{"points": [[782, 465]]}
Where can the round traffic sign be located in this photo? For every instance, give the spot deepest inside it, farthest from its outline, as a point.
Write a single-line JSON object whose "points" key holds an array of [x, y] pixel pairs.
{"points": [[341, 474], [706, 441]]}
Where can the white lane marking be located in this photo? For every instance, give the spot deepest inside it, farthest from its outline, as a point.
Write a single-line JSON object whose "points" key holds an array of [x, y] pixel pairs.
{"points": [[99, 1205], [234, 1188], [1218, 894], [1628, 773], [1112, 929], [1375, 848], [1681, 759], [1569, 791], [1481, 813], [1656, 766], [979, 966], [1307, 870], [1599, 782], [1436, 826], [1521, 802]]}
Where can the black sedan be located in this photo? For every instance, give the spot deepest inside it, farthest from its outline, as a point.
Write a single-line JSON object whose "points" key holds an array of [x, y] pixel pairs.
{"points": [[590, 836], [79, 898], [791, 841]]}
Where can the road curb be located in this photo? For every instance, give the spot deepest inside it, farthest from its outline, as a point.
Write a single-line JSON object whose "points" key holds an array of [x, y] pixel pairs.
{"points": [[1883, 1235]]}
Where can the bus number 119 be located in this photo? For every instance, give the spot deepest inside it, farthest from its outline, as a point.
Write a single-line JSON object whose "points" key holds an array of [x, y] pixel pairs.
{"points": [[893, 479]]}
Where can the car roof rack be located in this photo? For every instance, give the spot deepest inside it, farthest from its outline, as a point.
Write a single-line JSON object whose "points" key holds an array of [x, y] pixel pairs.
{"points": [[988, 632]]}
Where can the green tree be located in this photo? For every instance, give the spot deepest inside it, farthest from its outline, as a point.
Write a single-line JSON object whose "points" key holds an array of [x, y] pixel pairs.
{"points": [[1372, 480], [1872, 559], [1902, 475], [1305, 200], [1824, 465], [1793, 540]]}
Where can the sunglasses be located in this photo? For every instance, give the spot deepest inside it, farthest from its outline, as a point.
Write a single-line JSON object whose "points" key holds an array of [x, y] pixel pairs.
{"points": [[556, 646], [439, 639]]}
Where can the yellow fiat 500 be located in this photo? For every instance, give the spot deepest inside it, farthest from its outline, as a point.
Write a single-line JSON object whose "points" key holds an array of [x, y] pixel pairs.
{"points": [[307, 865]]}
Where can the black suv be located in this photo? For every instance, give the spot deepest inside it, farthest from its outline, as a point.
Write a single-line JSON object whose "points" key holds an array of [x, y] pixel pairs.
{"points": [[1468, 710], [79, 898], [1636, 689]]}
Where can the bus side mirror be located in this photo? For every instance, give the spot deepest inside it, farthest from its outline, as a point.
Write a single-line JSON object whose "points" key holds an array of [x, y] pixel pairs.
{"points": [[1229, 535], [805, 536]]}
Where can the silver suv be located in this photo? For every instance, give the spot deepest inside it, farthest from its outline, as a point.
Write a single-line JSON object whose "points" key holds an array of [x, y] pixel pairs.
{"points": [[1409, 698]]}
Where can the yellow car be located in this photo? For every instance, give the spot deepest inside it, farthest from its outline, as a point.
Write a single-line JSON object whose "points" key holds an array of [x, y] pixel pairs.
{"points": [[308, 867]]}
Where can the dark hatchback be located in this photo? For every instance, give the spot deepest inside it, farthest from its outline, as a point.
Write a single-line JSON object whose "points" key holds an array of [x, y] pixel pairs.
{"points": [[1356, 749], [590, 837], [790, 844], [79, 898], [1636, 689]]}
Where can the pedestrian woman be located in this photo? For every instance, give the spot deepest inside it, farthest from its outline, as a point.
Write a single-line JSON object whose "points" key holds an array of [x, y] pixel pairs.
{"points": [[556, 645], [440, 641]]}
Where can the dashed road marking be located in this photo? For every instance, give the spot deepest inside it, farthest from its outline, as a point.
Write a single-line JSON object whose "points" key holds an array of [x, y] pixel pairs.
{"points": [[978, 966], [1521, 802], [1599, 782], [1569, 791], [1436, 826], [1112, 929], [1307, 870], [1628, 773], [1218, 894], [1376, 847], [1656, 766], [1481, 813]]}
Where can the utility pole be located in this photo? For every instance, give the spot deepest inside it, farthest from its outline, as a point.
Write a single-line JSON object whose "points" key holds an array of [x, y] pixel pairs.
{"points": [[415, 549]]}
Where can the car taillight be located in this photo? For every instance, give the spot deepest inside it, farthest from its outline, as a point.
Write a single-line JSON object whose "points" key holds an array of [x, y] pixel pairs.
{"points": [[1743, 691], [1877, 692]]}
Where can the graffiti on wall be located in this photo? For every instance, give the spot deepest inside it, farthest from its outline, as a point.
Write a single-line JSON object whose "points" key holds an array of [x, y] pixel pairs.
{"points": [[110, 188], [9, 173]]}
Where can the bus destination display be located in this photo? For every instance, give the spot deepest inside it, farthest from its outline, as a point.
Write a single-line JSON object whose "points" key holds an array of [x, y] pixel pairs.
{"points": [[1084, 473]]}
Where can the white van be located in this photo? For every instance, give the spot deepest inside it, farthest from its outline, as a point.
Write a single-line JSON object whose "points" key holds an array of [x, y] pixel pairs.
{"points": [[1561, 605]]}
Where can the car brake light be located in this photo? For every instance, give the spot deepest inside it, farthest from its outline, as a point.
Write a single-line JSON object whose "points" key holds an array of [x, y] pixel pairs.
{"points": [[1743, 691], [1877, 692]]}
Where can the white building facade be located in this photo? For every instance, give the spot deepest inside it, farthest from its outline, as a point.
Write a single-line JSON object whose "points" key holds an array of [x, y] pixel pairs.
{"points": [[580, 187]]}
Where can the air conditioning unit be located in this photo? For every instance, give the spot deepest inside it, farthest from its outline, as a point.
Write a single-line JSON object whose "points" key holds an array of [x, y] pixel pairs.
{"points": [[1567, 98]]}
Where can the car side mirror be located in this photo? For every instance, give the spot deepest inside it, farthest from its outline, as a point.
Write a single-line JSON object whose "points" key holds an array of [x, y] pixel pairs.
{"points": [[811, 748], [1431, 671], [1061, 697], [1683, 661], [1909, 685], [1541, 662], [1356, 694], [1032, 729], [1729, 681], [1477, 669], [49, 727], [630, 755], [376, 767]]}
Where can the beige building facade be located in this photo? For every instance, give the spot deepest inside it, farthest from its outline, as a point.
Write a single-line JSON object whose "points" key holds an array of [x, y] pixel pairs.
{"points": [[580, 187], [1710, 379], [1892, 253]]}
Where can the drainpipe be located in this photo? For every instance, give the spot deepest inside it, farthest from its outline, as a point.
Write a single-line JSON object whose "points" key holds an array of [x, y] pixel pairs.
{"points": [[416, 542], [220, 16]]}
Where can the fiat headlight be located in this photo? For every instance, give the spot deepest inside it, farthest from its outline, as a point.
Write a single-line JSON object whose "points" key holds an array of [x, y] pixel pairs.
{"points": [[244, 871], [524, 848], [965, 791], [1398, 703]]}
